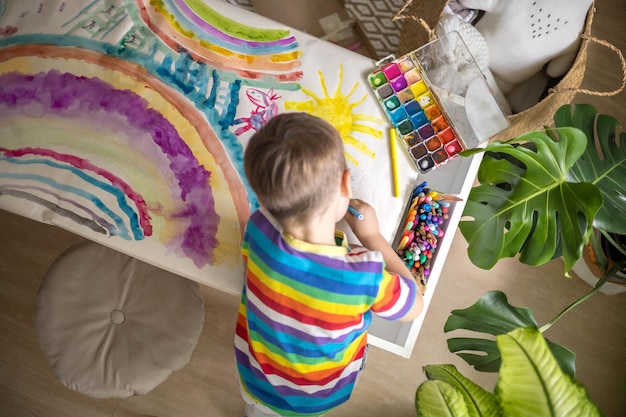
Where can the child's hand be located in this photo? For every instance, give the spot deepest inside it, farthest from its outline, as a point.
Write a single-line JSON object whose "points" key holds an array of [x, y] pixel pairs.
{"points": [[366, 228], [367, 231]]}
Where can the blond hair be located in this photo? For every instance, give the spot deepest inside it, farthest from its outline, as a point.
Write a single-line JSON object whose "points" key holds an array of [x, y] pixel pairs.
{"points": [[294, 165]]}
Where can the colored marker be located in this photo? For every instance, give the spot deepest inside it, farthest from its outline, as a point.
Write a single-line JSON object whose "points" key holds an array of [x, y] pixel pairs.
{"points": [[355, 213], [394, 162], [450, 197]]}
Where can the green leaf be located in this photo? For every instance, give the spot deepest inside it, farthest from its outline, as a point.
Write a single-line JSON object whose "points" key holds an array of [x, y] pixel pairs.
{"points": [[478, 402], [565, 357], [532, 211], [493, 314], [605, 168], [438, 399], [487, 361], [531, 383]]}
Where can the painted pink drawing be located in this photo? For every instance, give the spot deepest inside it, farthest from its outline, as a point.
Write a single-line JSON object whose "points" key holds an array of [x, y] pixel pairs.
{"points": [[265, 109]]}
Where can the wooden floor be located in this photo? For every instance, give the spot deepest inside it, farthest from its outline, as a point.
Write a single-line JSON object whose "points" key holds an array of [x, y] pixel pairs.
{"points": [[596, 331]]}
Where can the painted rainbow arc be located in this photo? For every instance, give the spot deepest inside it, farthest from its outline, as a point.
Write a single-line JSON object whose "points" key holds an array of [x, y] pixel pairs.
{"points": [[230, 34], [87, 192], [255, 54]]}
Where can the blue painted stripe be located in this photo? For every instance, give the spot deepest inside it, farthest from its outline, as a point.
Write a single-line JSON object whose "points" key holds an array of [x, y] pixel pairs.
{"points": [[106, 187], [80, 13], [123, 230]]}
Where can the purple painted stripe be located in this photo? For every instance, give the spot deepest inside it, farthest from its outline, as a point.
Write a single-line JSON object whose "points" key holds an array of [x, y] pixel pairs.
{"points": [[97, 219], [58, 210]]}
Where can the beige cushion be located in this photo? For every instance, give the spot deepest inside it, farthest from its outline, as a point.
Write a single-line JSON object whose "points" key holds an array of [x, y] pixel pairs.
{"points": [[112, 326]]}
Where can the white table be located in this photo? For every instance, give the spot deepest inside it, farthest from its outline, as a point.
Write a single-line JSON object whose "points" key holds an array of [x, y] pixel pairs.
{"points": [[126, 124]]}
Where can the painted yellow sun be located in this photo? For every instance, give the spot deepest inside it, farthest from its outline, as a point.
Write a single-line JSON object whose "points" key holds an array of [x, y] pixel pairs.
{"points": [[339, 111]]}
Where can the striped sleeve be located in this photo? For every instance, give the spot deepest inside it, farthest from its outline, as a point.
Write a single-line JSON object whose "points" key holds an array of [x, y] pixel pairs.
{"points": [[395, 297]]}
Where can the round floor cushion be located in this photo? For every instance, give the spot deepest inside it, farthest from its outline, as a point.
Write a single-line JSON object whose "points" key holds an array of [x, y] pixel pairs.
{"points": [[112, 326]]}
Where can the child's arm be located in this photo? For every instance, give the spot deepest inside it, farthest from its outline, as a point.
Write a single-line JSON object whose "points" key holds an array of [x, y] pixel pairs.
{"points": [[367, 231]]}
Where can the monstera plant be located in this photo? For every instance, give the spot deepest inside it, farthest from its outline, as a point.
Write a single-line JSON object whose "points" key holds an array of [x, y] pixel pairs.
{"points": [[541, 199], [540, 196]]}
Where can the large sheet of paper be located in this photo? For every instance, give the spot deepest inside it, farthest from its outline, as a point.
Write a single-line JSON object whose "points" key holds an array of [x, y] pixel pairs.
{"points": [[126, 121]]}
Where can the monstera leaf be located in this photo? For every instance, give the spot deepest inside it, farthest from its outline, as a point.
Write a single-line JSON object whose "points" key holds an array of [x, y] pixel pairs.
{"points": [[603, 163], [528, 206], [530, 384], [492, 314]]}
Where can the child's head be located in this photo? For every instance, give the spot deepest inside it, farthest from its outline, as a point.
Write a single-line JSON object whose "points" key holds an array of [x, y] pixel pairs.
{"points": [[295, 165]]}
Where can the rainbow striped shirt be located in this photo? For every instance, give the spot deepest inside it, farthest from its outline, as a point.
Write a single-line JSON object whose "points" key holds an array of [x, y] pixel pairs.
{"points": [[304, 314]]}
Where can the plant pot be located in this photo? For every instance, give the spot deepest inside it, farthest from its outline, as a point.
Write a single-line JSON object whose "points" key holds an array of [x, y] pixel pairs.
{"points": [[588, 270]]}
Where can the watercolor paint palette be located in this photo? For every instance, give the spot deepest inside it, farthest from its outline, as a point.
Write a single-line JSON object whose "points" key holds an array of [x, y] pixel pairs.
{"points": [[427, 110]]}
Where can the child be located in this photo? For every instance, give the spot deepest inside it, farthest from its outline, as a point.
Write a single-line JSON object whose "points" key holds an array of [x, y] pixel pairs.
{"points": [[308, 298]]}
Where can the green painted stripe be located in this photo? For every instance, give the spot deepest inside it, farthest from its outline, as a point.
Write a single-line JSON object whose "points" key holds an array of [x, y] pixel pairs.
{"points": [[234, 28]]}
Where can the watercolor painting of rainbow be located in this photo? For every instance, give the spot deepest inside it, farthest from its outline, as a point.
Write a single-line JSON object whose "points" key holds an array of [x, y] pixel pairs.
{"points": [[125, 121]]}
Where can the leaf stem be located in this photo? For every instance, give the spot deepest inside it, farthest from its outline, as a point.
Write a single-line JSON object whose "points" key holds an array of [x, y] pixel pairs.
{"points": [[603, 280], [612, 241]]}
